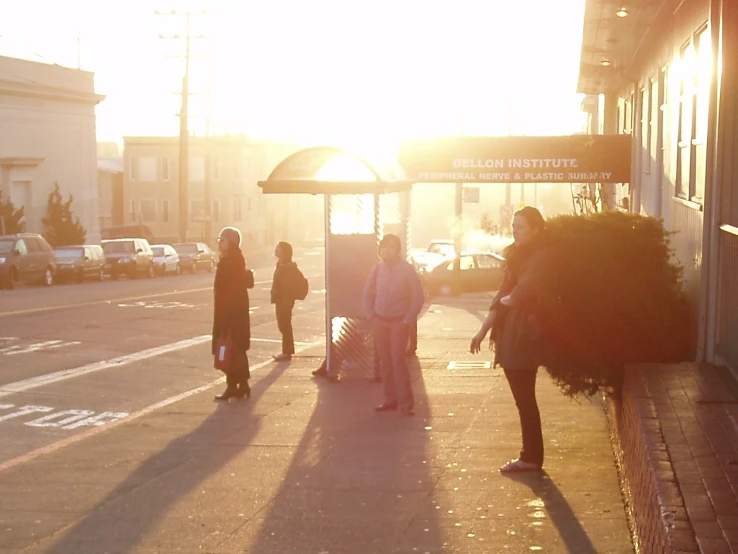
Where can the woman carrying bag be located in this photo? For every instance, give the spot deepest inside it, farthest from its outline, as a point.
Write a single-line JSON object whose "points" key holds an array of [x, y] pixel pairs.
{"points": [[231, 323]]}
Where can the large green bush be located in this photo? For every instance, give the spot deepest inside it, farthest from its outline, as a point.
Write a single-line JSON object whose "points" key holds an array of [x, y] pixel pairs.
{"points": [[615, 298]]}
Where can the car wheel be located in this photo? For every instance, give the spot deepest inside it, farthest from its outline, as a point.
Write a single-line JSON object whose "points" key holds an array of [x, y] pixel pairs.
{"points": [[48, 277]]}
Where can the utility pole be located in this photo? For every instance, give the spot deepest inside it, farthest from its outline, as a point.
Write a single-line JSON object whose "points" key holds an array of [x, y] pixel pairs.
{"points": [[208, 160], [183, 212]]}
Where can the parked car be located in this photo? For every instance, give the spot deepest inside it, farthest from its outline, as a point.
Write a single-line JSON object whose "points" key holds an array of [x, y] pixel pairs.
{"points": [[130, 257], [126, 232], [480, 272], [26, 258], [437, 250], [196, 255], [166, 259], [76, 263]]}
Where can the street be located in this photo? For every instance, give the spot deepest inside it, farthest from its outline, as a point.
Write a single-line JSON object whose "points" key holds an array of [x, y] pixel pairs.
{"points": [[78, 356]]}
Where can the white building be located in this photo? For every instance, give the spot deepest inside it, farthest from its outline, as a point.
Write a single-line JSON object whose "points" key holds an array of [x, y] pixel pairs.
{"points": [[47, 135]]}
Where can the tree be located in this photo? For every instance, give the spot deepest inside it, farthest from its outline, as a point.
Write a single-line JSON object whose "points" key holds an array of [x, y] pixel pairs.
{"points": [[11, 217], [61, 228]]}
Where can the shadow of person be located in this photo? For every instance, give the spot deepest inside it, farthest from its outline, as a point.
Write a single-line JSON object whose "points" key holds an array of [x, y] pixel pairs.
{"points": [[356, 481], [159, 491], [559, 511]]}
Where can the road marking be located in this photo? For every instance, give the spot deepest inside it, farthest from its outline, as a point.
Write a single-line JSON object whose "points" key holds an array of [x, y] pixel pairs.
{"points": [[135, 415], [156, 304], [41, 380], [110, 301], [36, 347]]}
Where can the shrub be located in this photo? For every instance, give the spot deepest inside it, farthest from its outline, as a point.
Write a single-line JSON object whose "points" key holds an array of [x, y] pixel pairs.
{"points": [[616, 298]]}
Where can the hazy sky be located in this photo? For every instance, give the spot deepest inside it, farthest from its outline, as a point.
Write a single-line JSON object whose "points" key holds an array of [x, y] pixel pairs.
{"points": [[338, 71]]}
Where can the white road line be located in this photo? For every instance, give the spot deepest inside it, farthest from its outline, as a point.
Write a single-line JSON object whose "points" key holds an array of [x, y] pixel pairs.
{"points": [[147, 410], [36, 347], [41, 380]]}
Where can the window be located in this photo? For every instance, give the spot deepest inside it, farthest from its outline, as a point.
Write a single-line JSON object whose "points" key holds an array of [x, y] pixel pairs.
{"points": [[165, 211], [237, 213], [467, 262], [488, 262], [148, 210], [197, 169], [216, 211], [684, 140], [216, 168], [197, 210], [147, 168], [20, 246], [165, 169], [701, 115]]}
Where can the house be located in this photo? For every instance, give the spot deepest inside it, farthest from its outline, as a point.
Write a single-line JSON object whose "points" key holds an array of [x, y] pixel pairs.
{"points": [[665, 72], [47, 136], [222, 173]]}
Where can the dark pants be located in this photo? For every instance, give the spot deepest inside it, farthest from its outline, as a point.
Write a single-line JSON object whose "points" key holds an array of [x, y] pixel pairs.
{"points": [[523, 386], [238, 374], [284, 324]]}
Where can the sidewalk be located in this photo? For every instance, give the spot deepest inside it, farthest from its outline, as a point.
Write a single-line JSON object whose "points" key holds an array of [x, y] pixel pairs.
{"points": [[307, 467], [677, 431]]}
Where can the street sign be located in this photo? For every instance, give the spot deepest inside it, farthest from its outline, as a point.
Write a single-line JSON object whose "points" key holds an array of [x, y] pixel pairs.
{"points": [[471, 195]]}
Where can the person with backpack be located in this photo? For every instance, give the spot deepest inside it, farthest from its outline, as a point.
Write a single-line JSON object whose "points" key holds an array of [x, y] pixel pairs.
{"points": [[288, 285]]}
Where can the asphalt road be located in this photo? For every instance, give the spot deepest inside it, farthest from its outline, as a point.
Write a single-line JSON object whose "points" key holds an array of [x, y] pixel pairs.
{"points": [[78, 356]]}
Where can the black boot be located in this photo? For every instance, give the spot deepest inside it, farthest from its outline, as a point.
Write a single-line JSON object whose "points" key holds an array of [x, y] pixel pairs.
{"points": [[243, 390], [230, 392]]}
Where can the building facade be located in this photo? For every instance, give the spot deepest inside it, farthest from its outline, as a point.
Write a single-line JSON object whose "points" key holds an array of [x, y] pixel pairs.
{"points": [[47, 135], [665, 72], [222, 190]]}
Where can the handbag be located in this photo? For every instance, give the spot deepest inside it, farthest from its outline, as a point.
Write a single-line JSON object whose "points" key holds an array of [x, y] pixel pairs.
{"points": [[223, 353]]}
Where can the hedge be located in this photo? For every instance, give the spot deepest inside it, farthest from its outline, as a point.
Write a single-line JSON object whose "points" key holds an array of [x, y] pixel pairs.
{"points": [[615, 298]]}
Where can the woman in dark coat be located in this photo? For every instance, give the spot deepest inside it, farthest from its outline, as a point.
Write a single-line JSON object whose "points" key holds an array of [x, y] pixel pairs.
{"points": [[231, 312], [515, 320]]}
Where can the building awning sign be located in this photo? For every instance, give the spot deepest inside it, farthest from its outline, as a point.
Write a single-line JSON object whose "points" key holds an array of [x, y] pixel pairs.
{"points": [[560, 159]]}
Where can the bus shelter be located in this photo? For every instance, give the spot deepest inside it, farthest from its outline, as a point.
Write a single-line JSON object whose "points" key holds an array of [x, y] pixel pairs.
{"points": [[363, 201]]}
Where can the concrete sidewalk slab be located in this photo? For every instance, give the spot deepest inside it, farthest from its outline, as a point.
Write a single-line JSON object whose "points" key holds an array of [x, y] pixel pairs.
{"points": [[308, 467]]}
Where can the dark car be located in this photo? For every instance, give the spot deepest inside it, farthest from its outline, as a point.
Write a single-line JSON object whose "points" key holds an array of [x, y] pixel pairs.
{"points": [[195, 255], [129, 257], [480, 272], [77, 263], [26, 258]]}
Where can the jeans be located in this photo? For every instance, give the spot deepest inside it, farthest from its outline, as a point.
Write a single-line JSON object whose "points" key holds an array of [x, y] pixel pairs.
{"points": [[391, 343], [523, 386], [284, 324]]}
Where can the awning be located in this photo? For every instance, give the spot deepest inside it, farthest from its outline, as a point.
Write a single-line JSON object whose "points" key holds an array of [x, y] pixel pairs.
{"points": [[300, 173]]}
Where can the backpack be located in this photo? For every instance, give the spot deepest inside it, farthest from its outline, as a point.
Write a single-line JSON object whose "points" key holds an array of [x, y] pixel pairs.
{"points": [[300, 285]]}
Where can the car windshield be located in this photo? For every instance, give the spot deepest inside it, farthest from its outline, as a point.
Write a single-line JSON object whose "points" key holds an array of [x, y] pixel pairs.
{"points": [[118, 247], [186, 248], [158, 251], [68, 252], [6, 246]]}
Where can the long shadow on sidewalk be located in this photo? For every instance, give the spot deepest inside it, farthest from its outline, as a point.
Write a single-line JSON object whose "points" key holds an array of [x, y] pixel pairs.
{"points": [[570, 529], [150, 494], [356, 481]]}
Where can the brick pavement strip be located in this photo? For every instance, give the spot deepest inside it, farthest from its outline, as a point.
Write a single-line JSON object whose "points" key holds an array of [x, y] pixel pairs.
{"points": [[305, 467], [685, 499]]}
